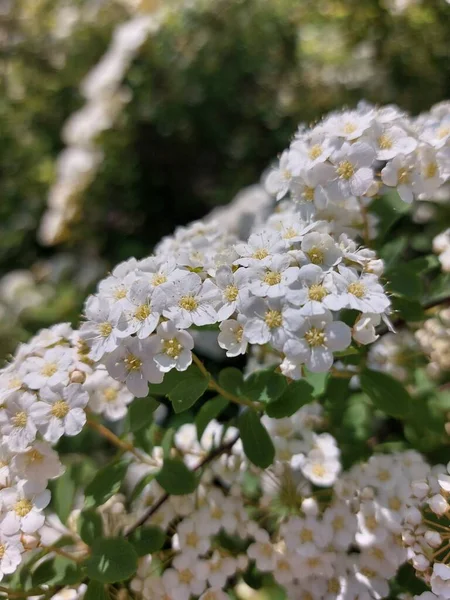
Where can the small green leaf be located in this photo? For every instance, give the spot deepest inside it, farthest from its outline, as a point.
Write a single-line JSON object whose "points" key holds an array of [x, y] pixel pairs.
{"points": [[410, 310], [96, 591], [405, 281], [105, 484], [111, 560], [176, 478], [264, 386], [55, 571], [209, 411], [90, 526], [63, 494], [231, 379], [171, 379], [257, 444], [297, 394], [148, 539], [140, 413], [142, 483], [186, 393], [318, 381], [386, 393]]}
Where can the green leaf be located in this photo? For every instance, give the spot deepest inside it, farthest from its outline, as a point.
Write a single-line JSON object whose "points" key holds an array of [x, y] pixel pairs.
{"points": [[232, 380], [391, 251], [96, 591], [140, 413], [439, 289], [209, 411], [171, 379], [386, 393], [111, 560], [105, 484], [318, 381], [192, 386], [405, 281], [297, 394], [55, 571], [264, 386], [63, 494], [146, 540], [257, 444], [176, 478], [389, 208], [90, 526], [410, 310]]}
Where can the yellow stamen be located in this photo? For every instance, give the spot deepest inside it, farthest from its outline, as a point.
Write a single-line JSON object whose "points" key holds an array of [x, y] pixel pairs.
{"points": [[273, 319], [60, 409], [172, 348], [315, 337], [357, 289], [272, 278], [189, 303], [345, 169]]}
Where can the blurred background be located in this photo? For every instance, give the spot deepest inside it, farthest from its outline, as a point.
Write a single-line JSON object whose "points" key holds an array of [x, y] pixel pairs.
{"points": [[121, 119]]}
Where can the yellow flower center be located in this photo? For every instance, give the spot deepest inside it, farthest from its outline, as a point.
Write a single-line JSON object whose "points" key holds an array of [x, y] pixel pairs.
{"points": [[273, 318], [384, 475], [385, 142], [189, 303], [2, 550], [142, 312], [120, 293], [334, 587], [431, 170], [186, 576], [158, 279], [357, 289], [403, 176], [349, 127], [371, 523], [395, 503], [443, 132], [338, 523], [313, 562], [110, 394], [315, 151], [369, 573], [231, 293], [345, 169], [260, 254], [132, 362], [308, 193], [105, 329], [172, 348], [33, 456], [317, 292], [22, 507], [20, 419], [315, 337], [14, 383], [306, 535], [60, 409], [377, 553], [192, 539], [316, 255], [319, 470], [49, 369], [239, 333], [272, 278], [217, 513], [289, 233]]}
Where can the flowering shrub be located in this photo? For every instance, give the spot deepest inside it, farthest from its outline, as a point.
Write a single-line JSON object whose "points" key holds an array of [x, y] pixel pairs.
{"points": [[309, 467]]}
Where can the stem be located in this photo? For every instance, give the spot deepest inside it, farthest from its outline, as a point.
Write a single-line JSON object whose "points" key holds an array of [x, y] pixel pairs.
{"points": [[213, 385], [34, 592], [62, 552], [152, 509]]}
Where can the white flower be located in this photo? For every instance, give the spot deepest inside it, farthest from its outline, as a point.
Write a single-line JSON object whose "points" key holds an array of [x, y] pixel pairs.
{"points": [[172, 348], [101, 329], [259, 247], [231, 338], [438, 504], [343, 523], [23, 511], [186, 577], [142, 310], [133, 364], [61, 411], [309, 189], [321, 470], [364, 328], [350, 124], [360, 292], [320, 249], [353, 171], [18, 421], [38, 464], [107, 396], [190, 301], [51, 369], [159, 271], [316, 339], [231, 285], [268, 321], [399, 173], [190, 540], [11, 551], [278, 180], [305, 154], [272, 279], [440, 580], [214, 594], [392, 141], [262, 551], [316, 291]]}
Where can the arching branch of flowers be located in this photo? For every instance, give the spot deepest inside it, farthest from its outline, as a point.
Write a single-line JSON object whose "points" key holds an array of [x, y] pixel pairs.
{"points": [[222, 449]]}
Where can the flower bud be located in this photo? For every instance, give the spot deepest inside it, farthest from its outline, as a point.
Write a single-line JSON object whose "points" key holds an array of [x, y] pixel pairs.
{"points": [[77, 376]]}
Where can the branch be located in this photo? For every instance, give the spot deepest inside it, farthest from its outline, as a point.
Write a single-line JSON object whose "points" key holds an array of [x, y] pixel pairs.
{"points": [[157, 505]]}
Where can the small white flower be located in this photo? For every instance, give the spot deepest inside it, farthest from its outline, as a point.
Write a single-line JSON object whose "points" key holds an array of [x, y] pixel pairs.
{"points": [[61, 411], [353, 171], [52, 369], [316, 293], [230, 284], [23, 511], [364, 328], [107, 396], [262, 551], [272, 279], [189, 540], [38, 464], [278, 180], [231, 338], [320, 249], [101, 329], [141, 310], [259, 247], [360, 292], [399, 173], [440, 580], [11, 552], [186, 577], [392, 141], [190, 301], [172, 348], [268, 321], [18, 421]]}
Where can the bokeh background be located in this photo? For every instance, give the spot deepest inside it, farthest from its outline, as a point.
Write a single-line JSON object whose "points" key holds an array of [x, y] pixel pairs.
{"points": [[120, 120]]}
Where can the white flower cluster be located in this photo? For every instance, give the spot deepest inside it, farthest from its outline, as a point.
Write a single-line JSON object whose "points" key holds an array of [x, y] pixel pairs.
{"points": [[44, 393], [394, 354], [434, 339], [340, 164], [441, 246]]}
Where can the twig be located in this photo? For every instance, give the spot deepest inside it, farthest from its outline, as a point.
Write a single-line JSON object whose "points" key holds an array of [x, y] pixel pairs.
{"points": [[157, 505]]}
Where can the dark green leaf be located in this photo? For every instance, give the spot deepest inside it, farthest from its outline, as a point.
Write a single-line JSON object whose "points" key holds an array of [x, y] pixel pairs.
{"points": [[257, 444], [148, 539], [90, 526], [96, 591], [142, 483], [209, 411], [405, 281], [191, 387], [232, 381], [318, 381], [63, 494], [264, 386], [105, 484], [176, 478], [297, 394], [410, 310], [56, 571], [140, 413], [391, 251], [386, 393], [111, 560], [171, 379]]}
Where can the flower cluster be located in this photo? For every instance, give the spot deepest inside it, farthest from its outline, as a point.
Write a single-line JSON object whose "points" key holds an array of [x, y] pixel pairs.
{"points": [[441, 245], [434, 339]]}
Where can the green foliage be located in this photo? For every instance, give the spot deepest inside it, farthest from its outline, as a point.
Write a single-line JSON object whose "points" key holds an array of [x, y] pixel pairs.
{"points": [[140, 413], [105, 484], [386, 393], [96, 591], [258, 446], [146, 540], [296, 395], [191, 386], [111, 560], [176, 478], [90, 526], [56, 571], [209, 411]]}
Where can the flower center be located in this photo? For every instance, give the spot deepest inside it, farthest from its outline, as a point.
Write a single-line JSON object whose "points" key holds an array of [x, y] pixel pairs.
{"points": [[142, 312], [345, 169], [15, 382], [403, 176], [338, 523], [443, 132], [192, 539], [110, 394], [132, 362], [384, 475], [308, 193], [334, 587], [317, 292], [395, 503], [273, 319], [231, 293], [306, 535], [315, 151], [189, 303], [315, 337], [431, 170], [319, 470], [260, 254], [60, 409], [120, 293], [33, 456], [239, 333], [105, 329], [357, 289], [49, 369], [186, 576], [2, 550], [371, 523], [158, 279], [316, 255], [272, 278], [289, 233], [385, 142], [172, 348], [20, 419], [349, 127], [22, 507]]}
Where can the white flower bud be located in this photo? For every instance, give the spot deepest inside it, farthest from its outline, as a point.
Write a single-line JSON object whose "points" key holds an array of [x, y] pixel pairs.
{"points": [[77, 376], [438, 504], [420, 563], [433, 539], [413, 516], [420, 489], [367, 493], [310, 507]]}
